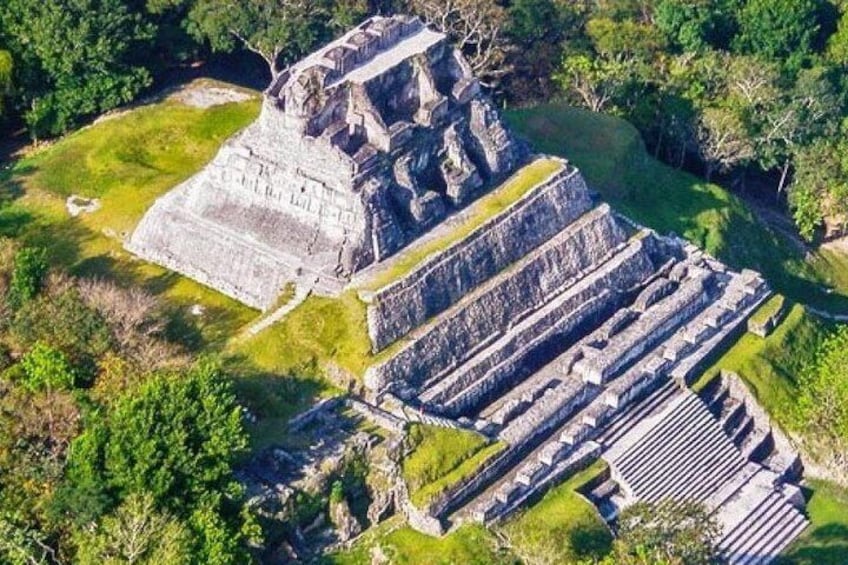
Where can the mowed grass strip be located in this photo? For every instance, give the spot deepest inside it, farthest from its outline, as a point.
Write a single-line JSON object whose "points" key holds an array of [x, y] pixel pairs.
{"points": [[563, 527], [478, 213], [441, 458]]}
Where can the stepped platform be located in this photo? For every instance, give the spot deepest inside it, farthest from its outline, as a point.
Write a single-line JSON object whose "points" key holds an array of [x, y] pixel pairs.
{"points": [[690, 450]]}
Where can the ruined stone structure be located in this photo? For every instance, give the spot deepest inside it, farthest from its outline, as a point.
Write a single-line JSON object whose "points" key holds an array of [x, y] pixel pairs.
{"points": [[569, 333], [360, 147], [555, 326]]}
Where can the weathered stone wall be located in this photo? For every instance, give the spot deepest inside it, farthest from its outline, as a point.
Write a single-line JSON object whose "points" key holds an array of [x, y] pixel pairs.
{"points": [[465, 331], [309, 188], [449, 275]]}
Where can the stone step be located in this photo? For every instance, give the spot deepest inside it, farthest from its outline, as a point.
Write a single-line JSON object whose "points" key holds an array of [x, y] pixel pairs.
{"points": [[555, 407], [689, 460], [627, 419], [776, 541], [761, 514], [653, 327], [474, 341], [460, 388], [764, 534], [654, 439]]}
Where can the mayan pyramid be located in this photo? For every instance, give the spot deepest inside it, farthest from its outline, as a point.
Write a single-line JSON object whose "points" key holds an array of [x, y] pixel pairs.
{"points": [[359, 147], [555, 327]]}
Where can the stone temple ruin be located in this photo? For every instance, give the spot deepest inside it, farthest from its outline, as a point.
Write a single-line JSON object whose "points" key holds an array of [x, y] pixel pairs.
{"points": [[359, 148], [556, 326]]}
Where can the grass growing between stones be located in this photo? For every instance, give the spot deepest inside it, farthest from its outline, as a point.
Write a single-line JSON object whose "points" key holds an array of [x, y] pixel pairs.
{"points": [[468, 544], [478, 213], [611, 155], [563, 527], [442, 457]]}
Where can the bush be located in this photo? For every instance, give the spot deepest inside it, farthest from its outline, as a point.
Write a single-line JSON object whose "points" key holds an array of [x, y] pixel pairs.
{"points": [[47, 369], [27, 275]]}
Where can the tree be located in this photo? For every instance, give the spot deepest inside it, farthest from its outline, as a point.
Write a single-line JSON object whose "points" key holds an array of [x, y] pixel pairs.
{"points": [[596, 82], [477, 27], [695, 25], [5, 80], [669, 532], [47, 369], [819, 189], [135, 533], [177, 438], [276, 30], [724, 140], [781, 31], [28, 275], [823, 402], [82, 57]]}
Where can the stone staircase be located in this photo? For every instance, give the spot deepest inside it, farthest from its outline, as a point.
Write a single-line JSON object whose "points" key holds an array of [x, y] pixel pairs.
{"points": [[696, 449], [579, 345]]}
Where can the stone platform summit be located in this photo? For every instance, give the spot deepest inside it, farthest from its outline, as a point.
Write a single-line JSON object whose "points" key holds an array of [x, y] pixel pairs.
{"points": [[359, 148], [530, 313]]}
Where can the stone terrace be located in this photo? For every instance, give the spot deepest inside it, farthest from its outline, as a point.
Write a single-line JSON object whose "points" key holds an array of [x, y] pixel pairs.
{"points": [[556, 348]]}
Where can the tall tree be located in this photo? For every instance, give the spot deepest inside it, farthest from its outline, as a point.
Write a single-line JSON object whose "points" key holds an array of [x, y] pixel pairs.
{"points": [[781, 31], [176, 438], [81, 57], [279, 31], [478, 27]]}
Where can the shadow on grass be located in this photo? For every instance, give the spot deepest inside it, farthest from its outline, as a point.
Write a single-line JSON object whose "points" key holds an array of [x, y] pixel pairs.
{"points": [[824, 545], [610, 153]]}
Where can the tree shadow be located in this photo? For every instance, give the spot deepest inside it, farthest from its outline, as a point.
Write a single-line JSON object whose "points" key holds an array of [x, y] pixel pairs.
{"points": [[825, 545]]}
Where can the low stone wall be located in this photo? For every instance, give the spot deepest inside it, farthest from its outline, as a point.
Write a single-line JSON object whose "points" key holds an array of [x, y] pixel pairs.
{"points": [[377, 416], [445, 278], [321, 407], [791, 465]]}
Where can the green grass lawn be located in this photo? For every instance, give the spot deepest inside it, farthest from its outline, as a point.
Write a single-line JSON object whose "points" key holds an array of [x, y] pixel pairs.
{"points": [[468, 544], [770, 366], [825, 542], [563, 527], [482, 210], [442, 457], [126, 160], [612, 157]]}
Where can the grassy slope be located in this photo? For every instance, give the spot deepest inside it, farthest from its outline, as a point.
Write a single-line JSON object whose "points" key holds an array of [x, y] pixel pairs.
{"points": [[469, 544], [563, 527], [126, 161], [611, 155], [442, 457]]}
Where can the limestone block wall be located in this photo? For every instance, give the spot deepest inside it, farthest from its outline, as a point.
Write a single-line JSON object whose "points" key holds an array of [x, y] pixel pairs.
{"points": [[446, 277], [462, 332]]}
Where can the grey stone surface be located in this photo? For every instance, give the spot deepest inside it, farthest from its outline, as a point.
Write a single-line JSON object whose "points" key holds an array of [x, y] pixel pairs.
{"points": [[447, 276], [359, 148]]}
